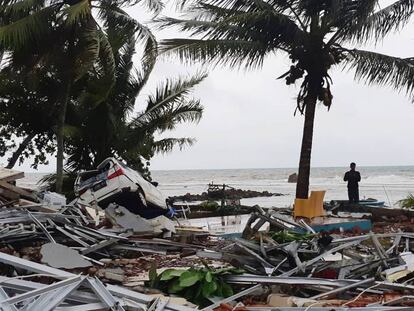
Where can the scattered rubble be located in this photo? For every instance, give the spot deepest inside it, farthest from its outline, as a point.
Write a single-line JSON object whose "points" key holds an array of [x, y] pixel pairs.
{"points": [[65, 257], [120, 216], [60, 256]]}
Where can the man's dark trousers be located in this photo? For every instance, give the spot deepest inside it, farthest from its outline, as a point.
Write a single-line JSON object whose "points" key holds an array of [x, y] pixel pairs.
{"points": [[353, 195]]}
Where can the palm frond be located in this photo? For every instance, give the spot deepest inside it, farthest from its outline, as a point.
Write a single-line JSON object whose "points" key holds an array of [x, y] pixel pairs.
{"points": [[276, 29], [24, 30], [253, 5], [126, 86], [194, 26], [78, 12], [148, 62], [169, 116], [154, 6], [106, 54], [144, 33], [121, 26], [234, 38], [189, 111], [231, 53], [173, 91], [380, 23], [167, 144], [380, 69], [124, 63], [408, 202], [16, 9], [90, 41], [344, 13], [118, 23]]}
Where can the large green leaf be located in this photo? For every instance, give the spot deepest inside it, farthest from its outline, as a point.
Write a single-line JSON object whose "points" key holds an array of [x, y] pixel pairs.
{"points": [[208, 288], [189, 278], [170, 274], [227, 291], [209, 277], [175, 287]]}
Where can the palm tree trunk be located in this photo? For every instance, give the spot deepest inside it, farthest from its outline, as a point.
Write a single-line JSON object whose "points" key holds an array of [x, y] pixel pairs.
{"points": [[60, 138], [15, 156], [302, 186], [314, 83]]}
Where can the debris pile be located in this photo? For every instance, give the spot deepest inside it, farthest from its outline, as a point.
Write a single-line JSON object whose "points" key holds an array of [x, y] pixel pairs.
{"points": [[73, 257], [59, 255], [296, 268]]}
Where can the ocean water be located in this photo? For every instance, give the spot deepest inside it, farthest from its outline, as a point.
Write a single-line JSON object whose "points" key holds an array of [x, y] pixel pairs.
{"points": [[388, 184]]}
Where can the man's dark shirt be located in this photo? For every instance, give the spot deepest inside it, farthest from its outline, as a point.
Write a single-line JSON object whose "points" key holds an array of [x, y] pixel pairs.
{"points": [[352, 177]]}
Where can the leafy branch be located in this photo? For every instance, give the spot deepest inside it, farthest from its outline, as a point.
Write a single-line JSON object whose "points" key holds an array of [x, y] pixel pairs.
{"points": [[197, 285]]}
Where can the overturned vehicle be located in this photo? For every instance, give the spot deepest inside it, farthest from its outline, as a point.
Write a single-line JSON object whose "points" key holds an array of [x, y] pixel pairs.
{"points": [[114, 182]]}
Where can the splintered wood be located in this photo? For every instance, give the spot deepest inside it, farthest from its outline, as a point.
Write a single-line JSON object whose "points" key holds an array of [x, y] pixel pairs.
{"points": [[10, 175], [8, 191]]}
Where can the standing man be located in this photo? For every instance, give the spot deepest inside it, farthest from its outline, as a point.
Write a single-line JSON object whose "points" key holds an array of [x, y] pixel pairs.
{"points": [[353, 178]]}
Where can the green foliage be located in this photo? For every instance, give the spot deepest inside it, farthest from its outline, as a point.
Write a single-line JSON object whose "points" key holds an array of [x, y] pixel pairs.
{"points": [[289, 236], [196, 285], [68, 41], [209, 205], [408, 202], [78, 12], [103, 120], [56, 45]]}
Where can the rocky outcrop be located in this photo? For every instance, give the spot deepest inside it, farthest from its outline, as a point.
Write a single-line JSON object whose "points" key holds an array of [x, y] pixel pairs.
{"points": [[231, 194]]}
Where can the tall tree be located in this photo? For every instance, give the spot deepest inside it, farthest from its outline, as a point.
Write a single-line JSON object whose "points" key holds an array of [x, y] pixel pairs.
{"points": [[108, 126], [65, 36], [315, 34]]}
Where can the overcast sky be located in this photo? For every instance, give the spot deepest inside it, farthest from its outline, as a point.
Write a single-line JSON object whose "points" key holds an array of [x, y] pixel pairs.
{"points": [[248, 120]]}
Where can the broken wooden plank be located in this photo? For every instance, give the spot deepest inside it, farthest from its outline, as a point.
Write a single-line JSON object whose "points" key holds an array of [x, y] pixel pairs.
{"points": [[10, 175], [23, 193], [9, 195]]}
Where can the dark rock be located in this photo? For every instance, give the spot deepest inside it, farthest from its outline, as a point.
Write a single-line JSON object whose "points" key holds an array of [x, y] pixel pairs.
{"points": [[229, 194], [293, 178]]}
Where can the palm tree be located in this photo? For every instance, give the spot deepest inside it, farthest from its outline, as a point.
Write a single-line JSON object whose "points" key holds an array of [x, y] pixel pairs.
{"points": [[102, 127], [104, 124], [65, 35], [315, 34]]}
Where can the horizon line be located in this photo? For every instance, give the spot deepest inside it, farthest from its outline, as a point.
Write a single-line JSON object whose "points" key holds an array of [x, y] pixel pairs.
{"points": [[239, 168], [270, 168]]}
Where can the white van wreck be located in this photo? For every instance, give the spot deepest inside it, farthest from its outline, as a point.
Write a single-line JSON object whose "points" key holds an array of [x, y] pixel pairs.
{"points": [[114, 182]]}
